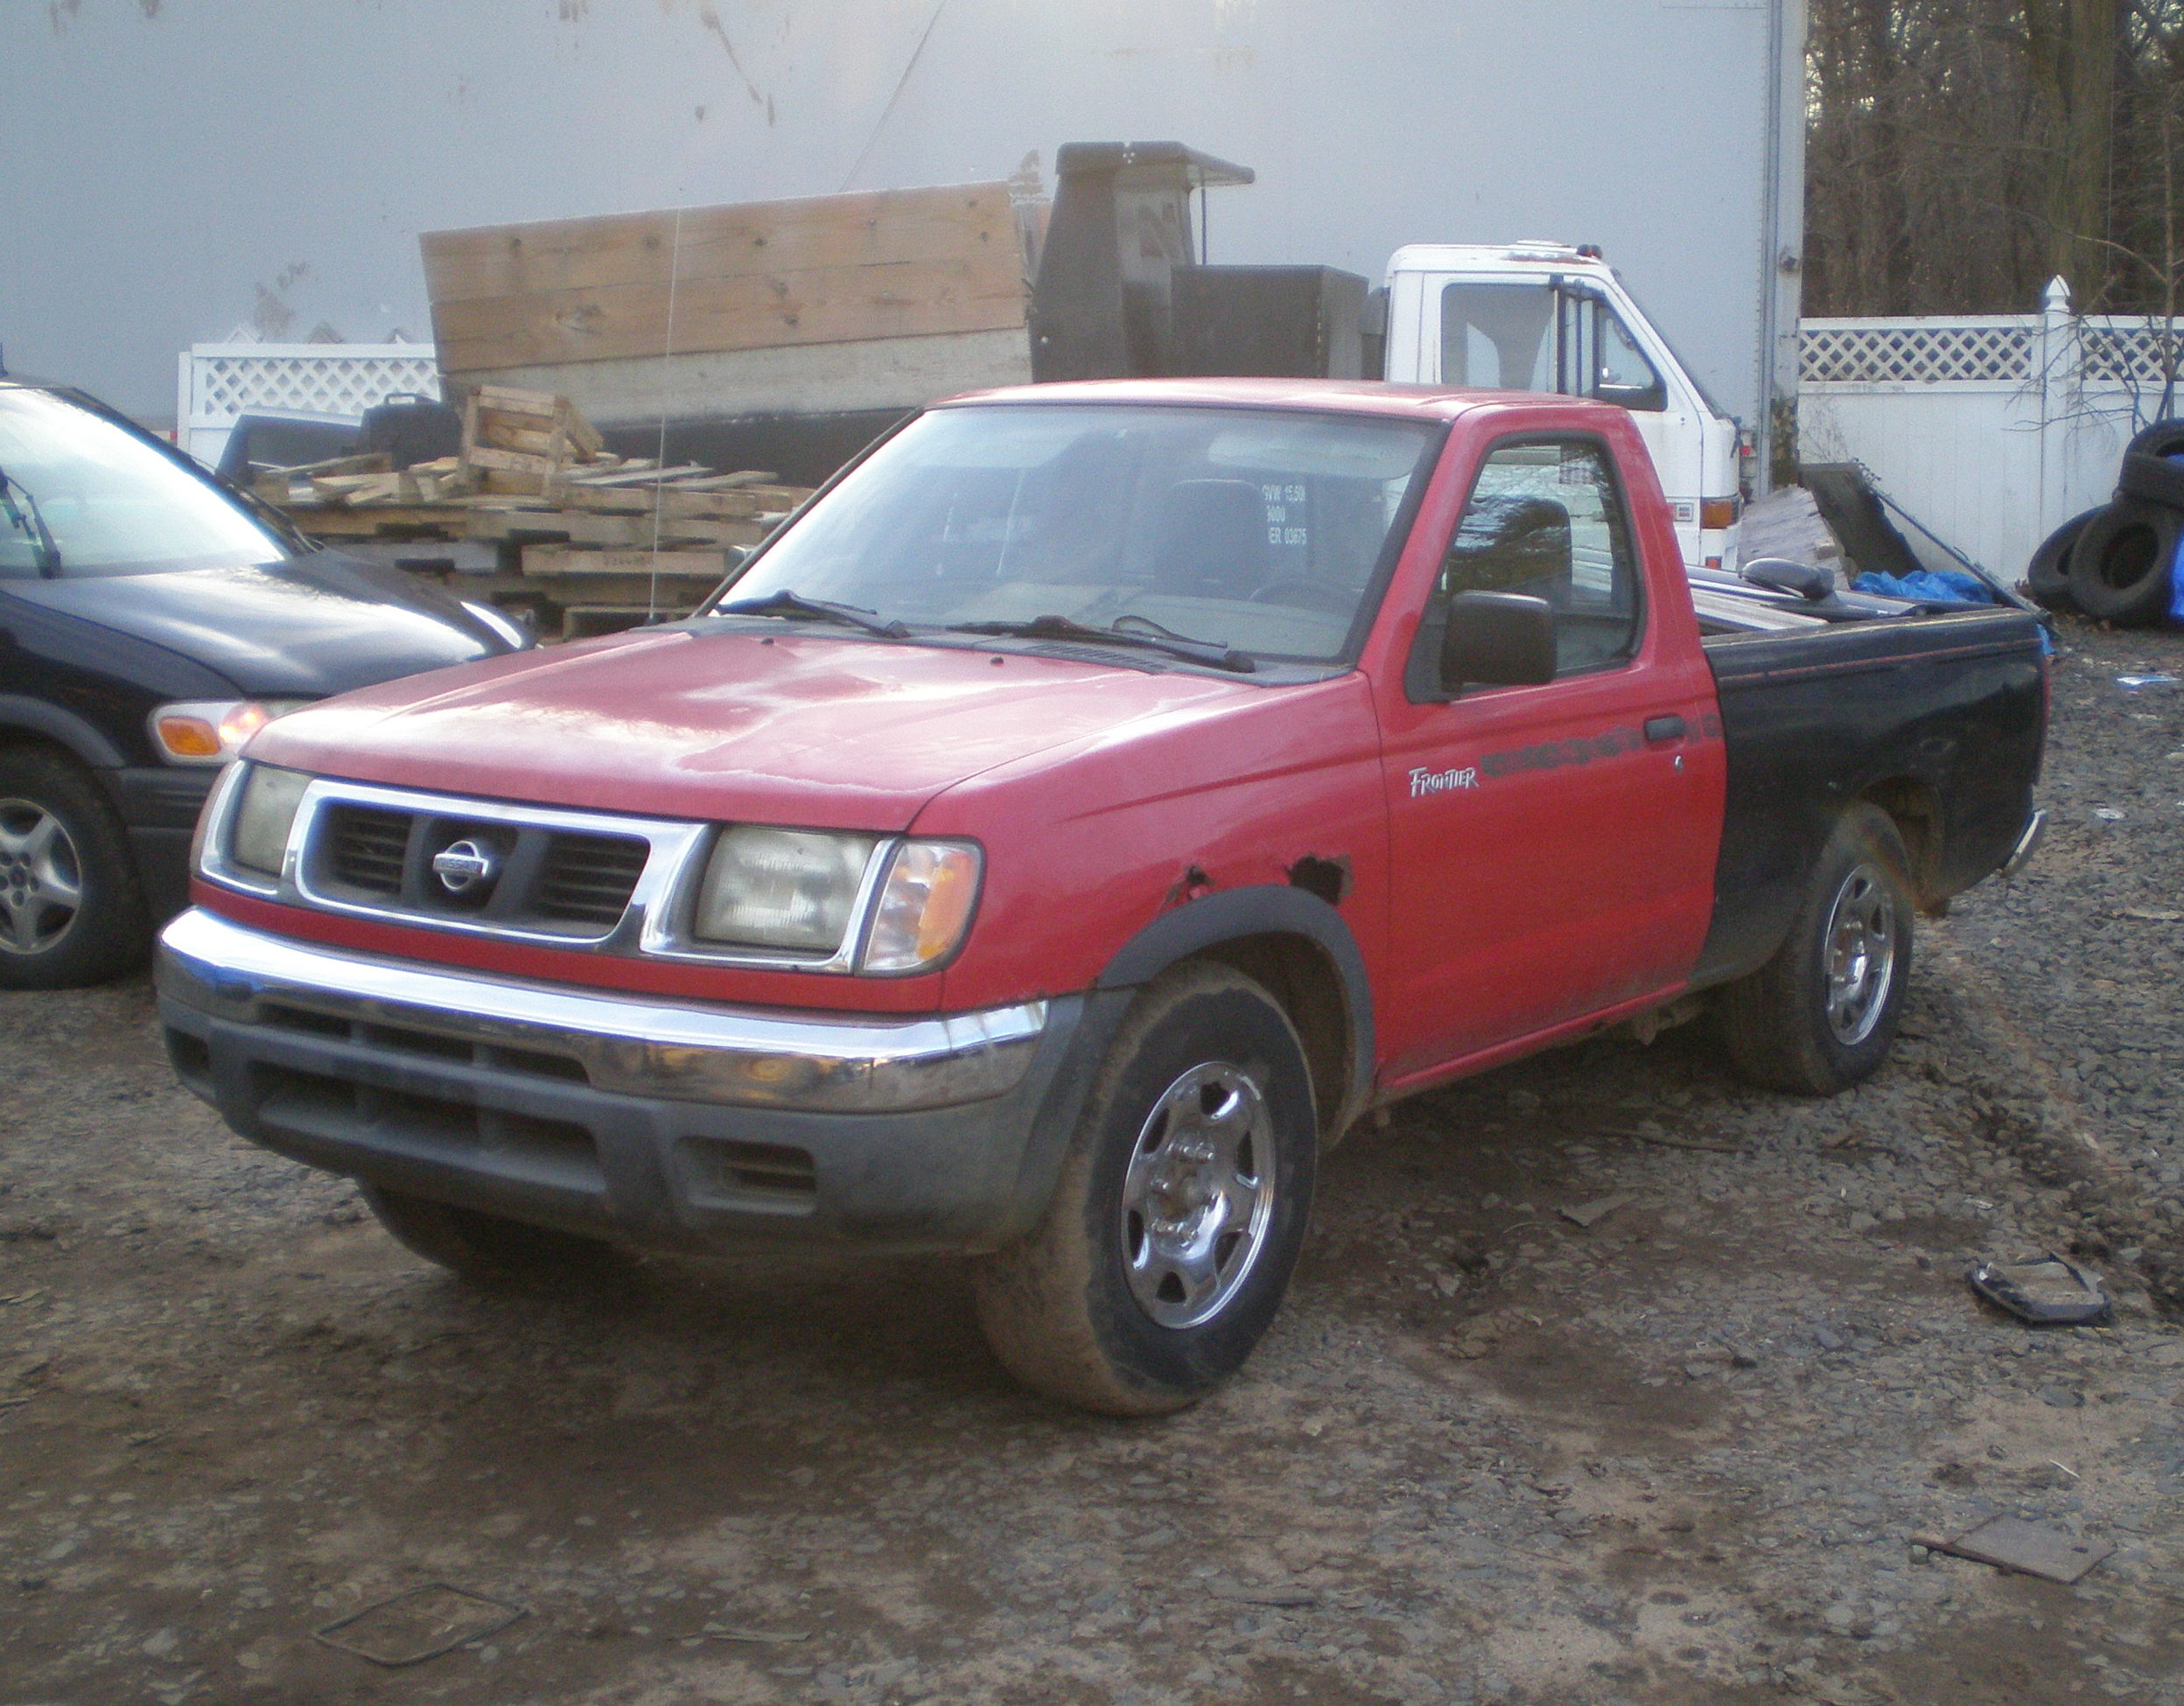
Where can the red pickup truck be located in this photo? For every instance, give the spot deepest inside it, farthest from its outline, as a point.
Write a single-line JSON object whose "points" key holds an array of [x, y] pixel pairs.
{"points": [[1065, 828]]}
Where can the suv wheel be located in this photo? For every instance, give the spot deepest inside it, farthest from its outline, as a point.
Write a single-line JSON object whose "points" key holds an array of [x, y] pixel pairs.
{"points": [[1180, 1209], [71, 910]]}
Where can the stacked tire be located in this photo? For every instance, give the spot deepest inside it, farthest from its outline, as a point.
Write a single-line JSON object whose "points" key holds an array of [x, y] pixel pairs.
{"points": [[2116, 563]]}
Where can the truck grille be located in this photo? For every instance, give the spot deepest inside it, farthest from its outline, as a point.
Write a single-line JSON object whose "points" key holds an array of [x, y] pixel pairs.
{"points": [[366, 848], [588, 879], [537, 877]]}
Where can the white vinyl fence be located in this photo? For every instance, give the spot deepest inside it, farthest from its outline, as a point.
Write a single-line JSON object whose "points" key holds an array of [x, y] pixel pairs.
{"points": [[312, 381], [1991, 431]]}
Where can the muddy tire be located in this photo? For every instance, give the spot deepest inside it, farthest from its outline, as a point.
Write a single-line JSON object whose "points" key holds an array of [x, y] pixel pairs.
{"points": [[489, 1249], [1180, 1209], [72, 911], [1821, 1015]]}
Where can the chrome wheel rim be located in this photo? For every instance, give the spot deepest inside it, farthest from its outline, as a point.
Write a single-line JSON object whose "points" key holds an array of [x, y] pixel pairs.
{"points": [[41, 879], [1199, 1195], [1861, 949]]}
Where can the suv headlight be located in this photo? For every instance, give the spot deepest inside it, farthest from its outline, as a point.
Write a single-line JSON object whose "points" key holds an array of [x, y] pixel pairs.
{"points": [[213, 730], [791, 888]]}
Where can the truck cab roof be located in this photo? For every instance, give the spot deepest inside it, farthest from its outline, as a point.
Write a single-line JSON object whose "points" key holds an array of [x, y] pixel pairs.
{"points": [[1525, 256]]}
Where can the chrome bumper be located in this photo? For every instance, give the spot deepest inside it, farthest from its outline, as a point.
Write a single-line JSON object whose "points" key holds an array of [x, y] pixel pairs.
{"points": [[634, 1046]]}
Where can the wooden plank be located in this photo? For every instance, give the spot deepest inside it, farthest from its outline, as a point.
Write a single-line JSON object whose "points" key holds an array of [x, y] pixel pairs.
{"points": [[675, 501], [852, 304], [765, 237], [510, 400], [511, 462], [422, 520], [550, 561]]}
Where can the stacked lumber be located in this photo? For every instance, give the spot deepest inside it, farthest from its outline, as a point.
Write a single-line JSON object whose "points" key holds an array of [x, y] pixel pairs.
{"points": [[585, 542]]}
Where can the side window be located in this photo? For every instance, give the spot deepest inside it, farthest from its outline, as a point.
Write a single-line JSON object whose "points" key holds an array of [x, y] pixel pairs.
{"points": [[1546, 519], [1625, 376]]}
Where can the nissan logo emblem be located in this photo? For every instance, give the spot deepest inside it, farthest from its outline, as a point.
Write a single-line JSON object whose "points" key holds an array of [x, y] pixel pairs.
{"points": [[464, 866]]}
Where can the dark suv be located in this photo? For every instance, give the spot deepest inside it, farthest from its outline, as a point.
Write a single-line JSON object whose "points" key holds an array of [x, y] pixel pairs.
{"points": [[150, 619]]}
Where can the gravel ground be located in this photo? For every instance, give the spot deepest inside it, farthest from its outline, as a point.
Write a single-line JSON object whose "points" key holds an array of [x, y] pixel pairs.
{"points": [[1487, 1454]]}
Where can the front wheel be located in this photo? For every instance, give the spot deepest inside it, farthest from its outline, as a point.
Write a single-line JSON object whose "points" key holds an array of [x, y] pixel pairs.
{"points": [[1180, 1209], [1821, 1015]]}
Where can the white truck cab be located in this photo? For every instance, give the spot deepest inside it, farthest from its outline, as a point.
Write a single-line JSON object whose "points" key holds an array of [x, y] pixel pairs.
{"points": [[1547, 317]]}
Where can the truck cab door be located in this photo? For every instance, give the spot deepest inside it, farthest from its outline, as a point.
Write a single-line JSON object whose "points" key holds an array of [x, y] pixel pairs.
{"points": [[1551, 846]]}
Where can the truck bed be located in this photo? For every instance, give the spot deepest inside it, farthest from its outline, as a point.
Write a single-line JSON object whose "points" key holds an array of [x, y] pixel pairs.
{"points": [[1938, 714]]}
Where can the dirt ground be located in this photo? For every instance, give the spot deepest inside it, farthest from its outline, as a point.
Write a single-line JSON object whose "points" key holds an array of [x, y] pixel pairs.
{"points": [[1487, 1454]]}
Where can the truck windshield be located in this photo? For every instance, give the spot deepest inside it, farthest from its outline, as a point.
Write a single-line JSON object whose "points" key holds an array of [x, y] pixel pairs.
{"points": [[1260, 529], [96, 500]]}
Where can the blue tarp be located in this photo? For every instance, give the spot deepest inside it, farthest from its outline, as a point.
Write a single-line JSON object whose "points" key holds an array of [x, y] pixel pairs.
{"points": [[1929, 586]]}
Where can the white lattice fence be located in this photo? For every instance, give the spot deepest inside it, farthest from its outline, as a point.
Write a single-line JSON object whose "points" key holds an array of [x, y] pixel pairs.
{"points": [[220, 382], [1991, 430], [1917, 352]]}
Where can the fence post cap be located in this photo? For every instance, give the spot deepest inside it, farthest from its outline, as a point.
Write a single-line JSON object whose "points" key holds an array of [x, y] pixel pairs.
{"points": [[2056, 298]]}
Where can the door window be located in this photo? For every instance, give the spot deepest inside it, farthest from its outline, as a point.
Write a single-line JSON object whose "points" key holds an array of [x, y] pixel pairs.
{"points": [[1625, 375], [1500, 337], [1546, 519]]}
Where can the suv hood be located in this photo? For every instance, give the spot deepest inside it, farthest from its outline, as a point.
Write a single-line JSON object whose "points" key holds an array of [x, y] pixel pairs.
{"points": [[785, 728], [302, 628]]}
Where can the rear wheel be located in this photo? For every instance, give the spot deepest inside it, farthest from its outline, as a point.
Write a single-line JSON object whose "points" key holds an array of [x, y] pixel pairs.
{"points": [[488, 1248], [1821, 1015], [71, 910], [1180, 1210]]}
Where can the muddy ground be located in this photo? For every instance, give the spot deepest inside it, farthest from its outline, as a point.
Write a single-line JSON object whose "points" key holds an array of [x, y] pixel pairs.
{"points": [[1486, 1455]]}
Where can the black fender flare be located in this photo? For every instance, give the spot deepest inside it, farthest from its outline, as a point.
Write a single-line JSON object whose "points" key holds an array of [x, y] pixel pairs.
{"points": [[20, 714], [1265, 909]]}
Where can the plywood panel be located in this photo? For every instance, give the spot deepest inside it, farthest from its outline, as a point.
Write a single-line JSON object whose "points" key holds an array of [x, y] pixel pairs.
{"points": [[760, 274]]}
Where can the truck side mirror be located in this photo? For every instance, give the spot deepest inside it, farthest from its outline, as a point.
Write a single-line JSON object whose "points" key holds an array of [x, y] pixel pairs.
{"points": [[1645, 399], [1498, 639]]}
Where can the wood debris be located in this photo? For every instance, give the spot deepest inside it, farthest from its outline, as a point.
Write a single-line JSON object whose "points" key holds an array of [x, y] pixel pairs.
{"points": [[587, 542]]}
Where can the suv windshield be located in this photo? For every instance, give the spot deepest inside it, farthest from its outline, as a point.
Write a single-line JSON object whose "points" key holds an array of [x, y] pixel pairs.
{"points": [[1258, 529], [110, 503]]}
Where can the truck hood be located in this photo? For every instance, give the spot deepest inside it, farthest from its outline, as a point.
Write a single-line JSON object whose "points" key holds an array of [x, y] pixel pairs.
{"points": [[788, 728]]}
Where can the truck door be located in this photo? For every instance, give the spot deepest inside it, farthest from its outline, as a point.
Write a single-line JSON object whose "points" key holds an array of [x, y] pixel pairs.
{"points": [[1552, 846]]}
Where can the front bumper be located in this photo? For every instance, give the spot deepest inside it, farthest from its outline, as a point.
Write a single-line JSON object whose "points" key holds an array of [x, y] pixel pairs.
{"points": [[668, 1124]]}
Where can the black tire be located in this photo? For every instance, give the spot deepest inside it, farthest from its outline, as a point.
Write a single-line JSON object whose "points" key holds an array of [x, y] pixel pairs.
{"points": [[2162, 438], [2155, 479], [1071, 1309], [1815, 1019], [2048, 576], [72, 907], [2119, 568], [489, 1249]]}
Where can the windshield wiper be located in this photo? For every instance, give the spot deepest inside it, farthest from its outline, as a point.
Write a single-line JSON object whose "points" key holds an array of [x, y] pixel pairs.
{"points": [[33, 527], [1220, 654], [787, 603]]}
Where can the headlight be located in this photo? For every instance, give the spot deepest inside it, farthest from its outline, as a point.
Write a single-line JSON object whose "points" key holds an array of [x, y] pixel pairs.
{"points": [[781, 888], [924, 907], [257, 834], [213, 730]]}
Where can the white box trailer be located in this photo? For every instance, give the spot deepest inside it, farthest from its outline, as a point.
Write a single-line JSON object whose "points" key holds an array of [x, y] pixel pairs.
{"points": [[185, 168]]}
